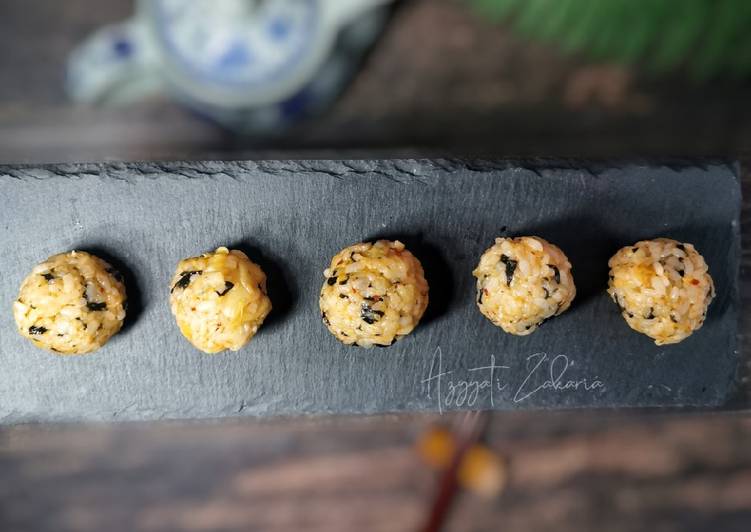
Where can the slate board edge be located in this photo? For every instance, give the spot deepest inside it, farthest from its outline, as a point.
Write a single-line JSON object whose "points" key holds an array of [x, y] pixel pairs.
{"points": [[737, 394], [405, 169], [139, 417], [402, 168]]}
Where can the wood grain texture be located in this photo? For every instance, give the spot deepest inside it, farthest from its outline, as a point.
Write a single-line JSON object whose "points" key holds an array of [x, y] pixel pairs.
{"points": [[292, 216], [575, 471]]}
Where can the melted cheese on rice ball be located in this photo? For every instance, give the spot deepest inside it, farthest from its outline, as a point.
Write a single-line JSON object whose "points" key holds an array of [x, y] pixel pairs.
{"points": [[374, 294], [663, 288], [219, 299], [71, 304], [521, 282]]}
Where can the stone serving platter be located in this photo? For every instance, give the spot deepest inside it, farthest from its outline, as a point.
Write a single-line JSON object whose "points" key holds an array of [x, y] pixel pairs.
{"points": [[292, 216]]}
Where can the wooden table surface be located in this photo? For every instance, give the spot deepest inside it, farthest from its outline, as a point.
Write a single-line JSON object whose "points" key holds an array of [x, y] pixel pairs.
{"points": [[567, 472], [442, 82]]}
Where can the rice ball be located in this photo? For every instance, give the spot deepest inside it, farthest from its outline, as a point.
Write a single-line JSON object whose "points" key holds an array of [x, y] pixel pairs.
{"points": [[374, 294], [521, 282], [219, 299], [663, 288], [71, 304]]}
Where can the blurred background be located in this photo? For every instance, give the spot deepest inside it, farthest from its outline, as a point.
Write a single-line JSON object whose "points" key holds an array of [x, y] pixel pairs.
{"points": [[468, 76], [227, 79]]}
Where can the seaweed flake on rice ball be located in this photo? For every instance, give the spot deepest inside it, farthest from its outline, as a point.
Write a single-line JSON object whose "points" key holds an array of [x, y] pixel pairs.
{"points": [[663, 288], [219, 300], [71, 304], [523, 281], [374, 294]]}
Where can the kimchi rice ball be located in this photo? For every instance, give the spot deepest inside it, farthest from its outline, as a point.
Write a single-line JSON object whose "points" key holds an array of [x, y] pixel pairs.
{"points": [[663, 288], [71, 304], [374, 294], [219, 300], [521, 282]]}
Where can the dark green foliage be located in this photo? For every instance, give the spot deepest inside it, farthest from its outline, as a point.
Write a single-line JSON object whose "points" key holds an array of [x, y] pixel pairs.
{"points": [[706, 37]]}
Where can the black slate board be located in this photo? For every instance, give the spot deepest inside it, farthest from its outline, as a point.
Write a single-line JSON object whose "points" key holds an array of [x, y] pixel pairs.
{"points": [[292, 216]]}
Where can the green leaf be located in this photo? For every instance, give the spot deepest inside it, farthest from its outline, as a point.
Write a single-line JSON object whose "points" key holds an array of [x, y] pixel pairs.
{"points": [[680, 34], [708, 36], [638, 30], [740, 57], [496, 9], [532, 17], [581, 33], [557, 18], [613, 32], [718, 42]]}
